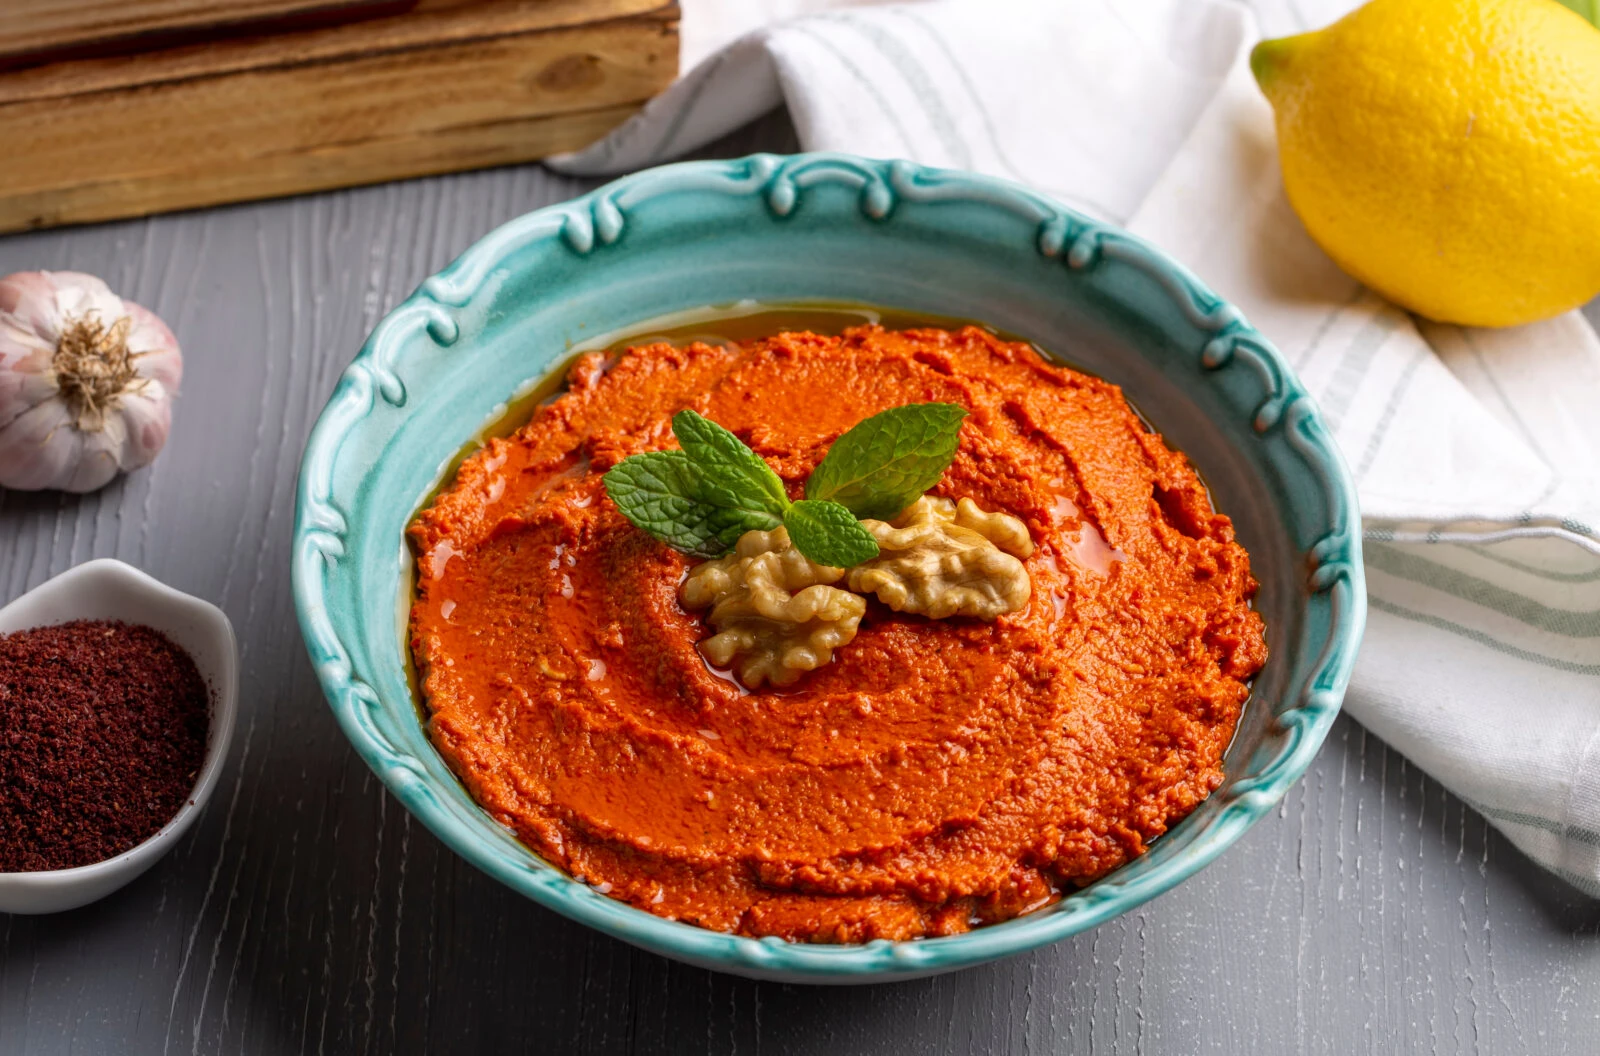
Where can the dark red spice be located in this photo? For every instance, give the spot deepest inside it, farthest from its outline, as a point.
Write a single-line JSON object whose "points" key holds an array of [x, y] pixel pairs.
{"points": [[102, 734]]}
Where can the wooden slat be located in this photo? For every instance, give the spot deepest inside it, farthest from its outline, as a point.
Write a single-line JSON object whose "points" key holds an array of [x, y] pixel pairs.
{"points": [[37, 30], [432, 23], [376, 160], [304, 126]]}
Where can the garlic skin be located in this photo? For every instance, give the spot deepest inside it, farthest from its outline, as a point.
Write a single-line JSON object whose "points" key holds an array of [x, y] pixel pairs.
{"points": [[86, 382]]}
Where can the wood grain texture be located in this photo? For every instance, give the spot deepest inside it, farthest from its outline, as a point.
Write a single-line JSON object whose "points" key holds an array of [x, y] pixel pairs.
{"points": [[308, 913], [437, 90], [433, 22], [34, 29]]}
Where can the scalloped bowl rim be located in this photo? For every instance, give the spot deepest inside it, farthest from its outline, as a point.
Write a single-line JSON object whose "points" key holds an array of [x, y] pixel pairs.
{"points": [[597, 218]]}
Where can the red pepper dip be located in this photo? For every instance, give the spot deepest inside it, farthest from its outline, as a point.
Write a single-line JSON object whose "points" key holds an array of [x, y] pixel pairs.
{"points": [[103, 731], [937, 774]]}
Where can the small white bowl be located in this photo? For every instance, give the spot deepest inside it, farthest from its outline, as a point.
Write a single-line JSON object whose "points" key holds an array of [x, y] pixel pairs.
{"points": [[110, 590]]}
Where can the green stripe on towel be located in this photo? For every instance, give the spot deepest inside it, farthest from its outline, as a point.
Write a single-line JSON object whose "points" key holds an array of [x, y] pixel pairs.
{"points": [[1553, 576], [1482, 639], [1407, 565], [1536, 821]]}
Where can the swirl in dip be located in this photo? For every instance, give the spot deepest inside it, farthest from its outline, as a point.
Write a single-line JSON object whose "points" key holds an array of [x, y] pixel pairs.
{"points": [[938, 774]]}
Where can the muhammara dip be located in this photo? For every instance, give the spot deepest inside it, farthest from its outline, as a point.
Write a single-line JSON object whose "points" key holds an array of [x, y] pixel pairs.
{"points": [[937, 774]]}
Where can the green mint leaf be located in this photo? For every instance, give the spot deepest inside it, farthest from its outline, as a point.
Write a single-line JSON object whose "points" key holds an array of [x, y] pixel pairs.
{"points": [[886, 462], [731, 474], [829, 534], [659, 492]]}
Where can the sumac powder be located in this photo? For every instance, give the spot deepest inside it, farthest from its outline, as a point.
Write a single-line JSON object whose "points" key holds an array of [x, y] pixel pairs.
{"points": [[102, 734]]}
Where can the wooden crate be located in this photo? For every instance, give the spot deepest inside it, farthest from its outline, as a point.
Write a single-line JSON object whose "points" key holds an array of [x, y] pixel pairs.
{"points": [[272, 104]]}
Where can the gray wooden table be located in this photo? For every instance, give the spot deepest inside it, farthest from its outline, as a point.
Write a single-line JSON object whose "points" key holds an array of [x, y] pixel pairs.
{"points": [[307, 912]]}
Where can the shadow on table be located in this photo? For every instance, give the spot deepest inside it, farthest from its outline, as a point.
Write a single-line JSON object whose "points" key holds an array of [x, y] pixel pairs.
{"points": [[1417, 808], [1564, 909]]}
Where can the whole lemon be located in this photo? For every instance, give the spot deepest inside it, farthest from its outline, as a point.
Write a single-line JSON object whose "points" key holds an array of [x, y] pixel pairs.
{"points": [[1447, 152]]}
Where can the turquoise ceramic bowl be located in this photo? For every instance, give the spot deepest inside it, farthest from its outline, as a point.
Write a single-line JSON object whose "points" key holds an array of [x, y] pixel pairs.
{"points": [[832, 228]]}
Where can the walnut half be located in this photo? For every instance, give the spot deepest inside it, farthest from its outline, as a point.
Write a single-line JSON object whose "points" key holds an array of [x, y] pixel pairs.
{"points": [[775, 615], [941, 558]]}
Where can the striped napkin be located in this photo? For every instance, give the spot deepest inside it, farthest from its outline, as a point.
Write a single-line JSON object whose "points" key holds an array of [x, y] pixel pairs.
{"points": [[1476, 452]]}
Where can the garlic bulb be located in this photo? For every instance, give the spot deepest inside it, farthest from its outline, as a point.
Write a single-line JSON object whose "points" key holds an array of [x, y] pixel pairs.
{"points": [[86, 382]]}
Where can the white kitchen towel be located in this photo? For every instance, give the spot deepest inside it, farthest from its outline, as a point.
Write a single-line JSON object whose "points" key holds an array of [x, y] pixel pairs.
{"points": [[1476, 452]]}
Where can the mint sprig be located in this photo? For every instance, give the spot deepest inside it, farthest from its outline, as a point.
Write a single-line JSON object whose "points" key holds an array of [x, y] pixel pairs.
{"points": [[703, 498], [829, 534], [886, 462], [730, 473], [659, 492]]}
